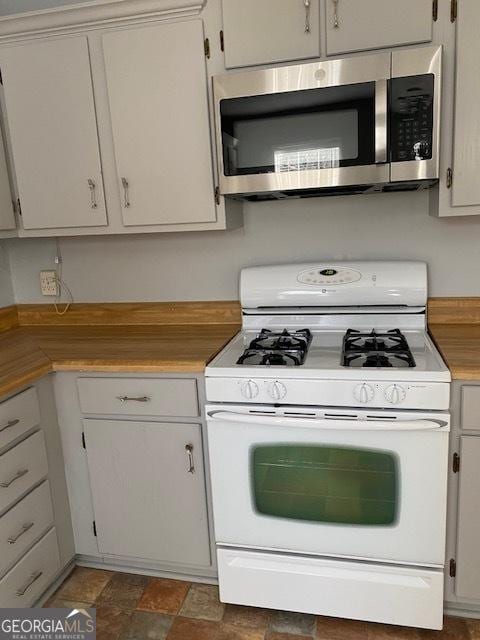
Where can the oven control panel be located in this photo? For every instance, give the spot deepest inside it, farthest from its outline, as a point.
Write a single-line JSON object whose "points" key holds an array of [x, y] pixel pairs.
{"points": [[386, 394], [328, 275], [411, 118]]}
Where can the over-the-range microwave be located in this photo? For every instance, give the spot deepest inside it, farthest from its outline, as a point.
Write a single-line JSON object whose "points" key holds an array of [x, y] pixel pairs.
{"points": [[352, 125]]}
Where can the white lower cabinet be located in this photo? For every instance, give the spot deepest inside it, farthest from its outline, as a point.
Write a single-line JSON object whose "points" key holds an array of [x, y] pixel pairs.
{"points": [[148, 489], [467, 580], [29, 578]]}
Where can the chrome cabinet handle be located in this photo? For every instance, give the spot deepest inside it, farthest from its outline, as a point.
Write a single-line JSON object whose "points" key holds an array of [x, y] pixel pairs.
{"points": [[93, 194], [33, 578], [10, 423], [18, 475], [126, 195], [133, 399], [191, 464], [307, 4], [336, 23], [26, 527]]}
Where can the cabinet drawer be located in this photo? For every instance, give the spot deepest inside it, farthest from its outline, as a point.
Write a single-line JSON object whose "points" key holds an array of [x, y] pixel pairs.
{"points": [[23, 524], [21, 468], [139, 396], [18, 415], [470, 414], [30, 577]]}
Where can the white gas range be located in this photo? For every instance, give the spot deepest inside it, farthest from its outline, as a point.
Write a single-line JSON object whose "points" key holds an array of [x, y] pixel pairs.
{"points": [[328, 439]]}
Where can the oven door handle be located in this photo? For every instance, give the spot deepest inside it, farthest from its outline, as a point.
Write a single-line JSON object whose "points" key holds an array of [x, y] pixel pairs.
{"points": [[328, 424]]}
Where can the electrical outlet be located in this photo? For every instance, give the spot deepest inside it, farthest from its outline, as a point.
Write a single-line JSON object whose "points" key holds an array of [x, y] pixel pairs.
{"points": [[48, 283]]}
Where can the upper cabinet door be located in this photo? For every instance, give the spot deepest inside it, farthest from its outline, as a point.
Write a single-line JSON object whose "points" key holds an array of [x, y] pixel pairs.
{"points": [[157, 90], [7, 218], [358, 25], [266, 31], [466, 147], [53, 130]]}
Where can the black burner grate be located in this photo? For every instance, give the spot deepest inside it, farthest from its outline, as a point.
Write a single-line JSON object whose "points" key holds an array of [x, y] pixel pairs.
{"points": [[279, 348], [373, 349]]}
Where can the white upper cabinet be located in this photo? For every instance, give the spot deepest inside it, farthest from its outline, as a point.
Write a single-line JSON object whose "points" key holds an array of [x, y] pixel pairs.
{"points": [[358, 25], [7, 218], [466, 135], [53, 130], [268, 31], [157, 90]]}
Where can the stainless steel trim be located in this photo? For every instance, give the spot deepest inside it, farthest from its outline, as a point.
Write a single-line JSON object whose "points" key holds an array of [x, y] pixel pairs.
{"points": [[381, 113], [284, 181], [133, 399], [24, 529], [33, 578], [191, 464], [412, 62], [18, 475], [10, 423]]}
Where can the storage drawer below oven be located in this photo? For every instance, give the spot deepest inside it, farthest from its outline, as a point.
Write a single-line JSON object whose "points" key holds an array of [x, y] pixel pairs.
{"points": [[377, 593]]}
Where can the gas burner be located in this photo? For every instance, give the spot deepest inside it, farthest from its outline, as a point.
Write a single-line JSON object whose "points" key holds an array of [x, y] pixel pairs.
{"points": [[389, 349], [283, 348]]}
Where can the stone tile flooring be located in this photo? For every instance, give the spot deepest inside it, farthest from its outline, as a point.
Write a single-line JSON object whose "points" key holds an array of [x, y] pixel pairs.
{"points": [[134, 607]]}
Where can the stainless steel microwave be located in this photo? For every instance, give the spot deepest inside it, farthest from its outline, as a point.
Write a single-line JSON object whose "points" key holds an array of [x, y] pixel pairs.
{"points": [[352, 125]]}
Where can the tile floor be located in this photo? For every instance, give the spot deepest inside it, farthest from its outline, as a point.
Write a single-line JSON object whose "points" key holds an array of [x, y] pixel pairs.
{"points": [[134, 607]]}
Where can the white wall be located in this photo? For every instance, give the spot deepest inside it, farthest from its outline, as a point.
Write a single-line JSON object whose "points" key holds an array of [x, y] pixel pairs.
{"points": [[205, 266], [6, 290]]}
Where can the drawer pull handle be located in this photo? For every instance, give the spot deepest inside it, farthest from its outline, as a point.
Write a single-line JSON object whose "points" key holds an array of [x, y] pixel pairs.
{"points": [[126, 195], [10, 423], [93, 195], [133, 399], [18, 475], [33, 578], [25, 527], [191, 464]]}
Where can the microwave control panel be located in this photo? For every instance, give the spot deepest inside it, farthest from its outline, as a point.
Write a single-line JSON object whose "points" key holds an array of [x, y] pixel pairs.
{"points": [[411, 118]]}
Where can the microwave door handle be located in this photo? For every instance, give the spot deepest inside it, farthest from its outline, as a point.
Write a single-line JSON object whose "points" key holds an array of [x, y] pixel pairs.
{"points": [[381, 112], [327, 424]]}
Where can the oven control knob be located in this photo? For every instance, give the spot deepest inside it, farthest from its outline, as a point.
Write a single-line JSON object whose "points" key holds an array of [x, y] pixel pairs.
{"points": [[364, 393], [249, 389], [395, 394], [277, 390]]}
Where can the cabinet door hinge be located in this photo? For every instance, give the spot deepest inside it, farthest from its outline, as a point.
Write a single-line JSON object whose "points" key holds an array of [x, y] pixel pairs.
{"points": [[453, 10], [83, 441], [206, 47], [449, 178], [222, 41], [1, 77], [217, 195], [19, 207], [94, 528], [435, 10], [452, 568], [456, 463]]}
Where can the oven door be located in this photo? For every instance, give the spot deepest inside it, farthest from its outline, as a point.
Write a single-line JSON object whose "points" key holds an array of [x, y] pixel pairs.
{"points": [[308, 126], [369, 489]]}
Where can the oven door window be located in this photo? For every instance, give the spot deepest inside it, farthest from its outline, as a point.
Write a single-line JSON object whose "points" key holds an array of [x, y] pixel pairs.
{"points": [[299, 130], [325, 484]]}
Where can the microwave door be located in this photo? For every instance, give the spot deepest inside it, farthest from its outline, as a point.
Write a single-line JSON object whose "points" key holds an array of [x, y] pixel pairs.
{"points": [[303, 128]]}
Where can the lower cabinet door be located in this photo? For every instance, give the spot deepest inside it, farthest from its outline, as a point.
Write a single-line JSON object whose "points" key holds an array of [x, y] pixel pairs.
{"points": [[32, 575], [148, 487], [467, 581]]}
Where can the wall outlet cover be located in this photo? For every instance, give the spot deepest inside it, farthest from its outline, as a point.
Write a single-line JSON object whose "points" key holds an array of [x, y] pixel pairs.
{"points": [[48, 283]]}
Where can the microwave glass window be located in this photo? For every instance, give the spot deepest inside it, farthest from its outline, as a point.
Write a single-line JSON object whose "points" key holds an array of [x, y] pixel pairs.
{"points": [[325, 484], [299, 130]]}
